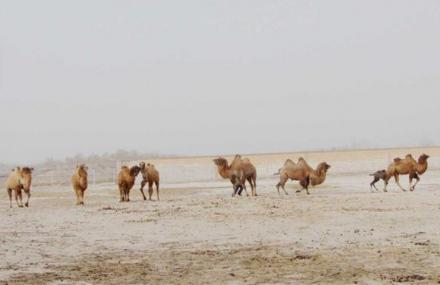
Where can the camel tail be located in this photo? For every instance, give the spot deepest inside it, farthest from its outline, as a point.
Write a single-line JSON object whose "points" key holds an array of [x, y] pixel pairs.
{"points": [[278, 173]]}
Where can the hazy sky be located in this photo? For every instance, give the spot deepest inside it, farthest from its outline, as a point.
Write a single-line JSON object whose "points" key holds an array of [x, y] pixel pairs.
{"points": [[212, 77]]}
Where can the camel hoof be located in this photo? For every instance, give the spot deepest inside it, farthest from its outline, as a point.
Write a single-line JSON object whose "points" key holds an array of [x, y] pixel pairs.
{"points": [[298, 191], [20, 206], [27, 205]]}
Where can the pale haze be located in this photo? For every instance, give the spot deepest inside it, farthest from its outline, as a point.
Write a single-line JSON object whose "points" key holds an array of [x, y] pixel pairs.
{"points": [[216, 77]]}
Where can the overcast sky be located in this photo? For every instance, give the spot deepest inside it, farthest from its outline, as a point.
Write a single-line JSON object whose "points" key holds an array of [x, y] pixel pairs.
{"points": [[213, 77]]}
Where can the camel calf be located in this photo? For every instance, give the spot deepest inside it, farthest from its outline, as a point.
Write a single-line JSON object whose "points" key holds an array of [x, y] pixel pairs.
{"points": [[19, 179], [378, 175], [150, 175], [79, 183], [126, 179]]}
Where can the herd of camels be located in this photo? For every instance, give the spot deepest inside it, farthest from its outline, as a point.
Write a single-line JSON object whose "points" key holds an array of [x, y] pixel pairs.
{"points": [[238, 172]]}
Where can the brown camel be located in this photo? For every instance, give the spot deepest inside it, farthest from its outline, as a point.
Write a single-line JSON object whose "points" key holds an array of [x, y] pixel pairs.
{"points": [[126, 179], [238, 172], [150, 175], [378, 175], [79, 183], [303, 173], [407, 166], [19, 179]]}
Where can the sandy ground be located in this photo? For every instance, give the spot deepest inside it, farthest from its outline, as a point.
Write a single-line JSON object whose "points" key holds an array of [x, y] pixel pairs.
{"points": [[198, 234]]}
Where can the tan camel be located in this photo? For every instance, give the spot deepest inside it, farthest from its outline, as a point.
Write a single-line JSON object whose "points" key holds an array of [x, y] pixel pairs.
{"points": [[126, 179], [303, 173], [79, 183], [19, 179], [238, 172], [151, 176], [407, 166]]}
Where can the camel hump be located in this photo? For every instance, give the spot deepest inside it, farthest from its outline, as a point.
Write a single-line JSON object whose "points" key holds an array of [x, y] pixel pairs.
{"points": [[397, 159], [124, 167], [289, 162]]}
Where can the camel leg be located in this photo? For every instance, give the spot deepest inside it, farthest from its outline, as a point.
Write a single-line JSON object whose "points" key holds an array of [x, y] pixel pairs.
{"points": [[127, 195], [396, 177], [142, 189], [411, 177], [81, 197], [28, 195], [19, 200], [251, 182], [150, 190], [281, 184], [305, 184], [16, 197], [157, 190], [243, 185], [385, 184], [77, 196], [121, 194], [372, 184], [254, 180], [10, 197]]}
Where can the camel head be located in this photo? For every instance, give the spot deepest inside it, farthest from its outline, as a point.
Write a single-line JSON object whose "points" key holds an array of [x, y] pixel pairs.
{"points": [[26, 177], [323, 167], [134, 170], [142, 165], [423, 158], [221, 162], [82, 168]]}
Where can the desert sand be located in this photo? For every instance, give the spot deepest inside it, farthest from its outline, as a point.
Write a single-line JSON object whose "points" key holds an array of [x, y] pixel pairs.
{"points": [[198, 234]]}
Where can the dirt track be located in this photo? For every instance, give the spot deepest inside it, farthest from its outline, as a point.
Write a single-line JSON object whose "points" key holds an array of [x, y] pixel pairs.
{"points": [[341, 234]]}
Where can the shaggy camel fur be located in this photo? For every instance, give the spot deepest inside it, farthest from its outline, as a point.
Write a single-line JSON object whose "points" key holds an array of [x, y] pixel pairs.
{"points": [[19, 179], [238, 172], [407, 166], [79, 183], [126, 179], [150, 175], [303, 173]]}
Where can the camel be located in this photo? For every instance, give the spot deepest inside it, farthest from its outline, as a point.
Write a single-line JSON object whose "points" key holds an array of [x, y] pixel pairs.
{"points": [[238, 172], [79, 183], [150, 175], [19, 179], [303, 173], [407, 166], [126, 179]]}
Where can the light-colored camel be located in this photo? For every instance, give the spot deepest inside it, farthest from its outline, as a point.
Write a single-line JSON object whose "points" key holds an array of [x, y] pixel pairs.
{"points": [[238, 172], [151, 176], [126, 180], [407, 166], [79, 183], [303, 173], [19, 179]]}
